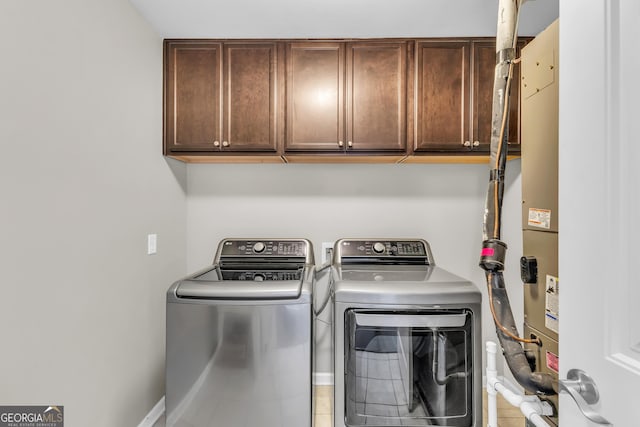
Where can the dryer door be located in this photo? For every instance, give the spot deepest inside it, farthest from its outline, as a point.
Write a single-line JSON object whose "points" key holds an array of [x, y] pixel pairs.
{"points": [[408, 368]]}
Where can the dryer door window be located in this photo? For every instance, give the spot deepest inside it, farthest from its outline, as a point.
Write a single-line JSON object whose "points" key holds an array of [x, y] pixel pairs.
{"points": [[408, 368]]}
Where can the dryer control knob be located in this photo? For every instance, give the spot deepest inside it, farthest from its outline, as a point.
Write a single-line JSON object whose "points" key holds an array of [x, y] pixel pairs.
{"points": [[258, 247], [379, 247]]}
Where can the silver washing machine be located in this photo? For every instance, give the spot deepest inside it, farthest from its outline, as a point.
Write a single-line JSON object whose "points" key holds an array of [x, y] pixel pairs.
{"points": [[407, 338], [239, 334]]}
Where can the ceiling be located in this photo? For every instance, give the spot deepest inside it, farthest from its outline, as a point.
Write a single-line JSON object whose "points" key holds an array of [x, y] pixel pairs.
{"points": [[336, 18]]}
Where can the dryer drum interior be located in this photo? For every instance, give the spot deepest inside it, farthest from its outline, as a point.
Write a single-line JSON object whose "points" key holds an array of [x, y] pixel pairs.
{"points": [[412, 367]]}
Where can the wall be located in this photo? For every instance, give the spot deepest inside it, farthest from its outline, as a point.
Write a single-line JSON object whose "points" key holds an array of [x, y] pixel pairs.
{"points": [[442, 203], [336, 18], [82, 183]]}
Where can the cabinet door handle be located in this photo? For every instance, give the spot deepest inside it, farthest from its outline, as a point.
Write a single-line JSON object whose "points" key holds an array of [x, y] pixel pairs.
{"points": [[225, 143], [476, 143], [350, 144], [216, 143], [467, 143], [340, 143]]}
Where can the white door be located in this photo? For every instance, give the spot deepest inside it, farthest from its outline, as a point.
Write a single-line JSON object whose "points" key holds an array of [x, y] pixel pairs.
{"points": [[599, 197]]}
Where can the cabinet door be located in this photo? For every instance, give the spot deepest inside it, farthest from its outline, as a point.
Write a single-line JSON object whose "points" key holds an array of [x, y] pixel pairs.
{"points": [[315, 97], [484, 64], [250, 97], [192, 94], [376, 96], [442, 115]]}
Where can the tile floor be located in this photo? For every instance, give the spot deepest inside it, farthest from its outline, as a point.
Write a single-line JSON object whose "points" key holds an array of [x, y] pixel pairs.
{"points": [[324, 406], [508, 416]]}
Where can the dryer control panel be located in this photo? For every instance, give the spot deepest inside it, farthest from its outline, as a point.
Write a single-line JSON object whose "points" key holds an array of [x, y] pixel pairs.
{"points": [[382, 250]]}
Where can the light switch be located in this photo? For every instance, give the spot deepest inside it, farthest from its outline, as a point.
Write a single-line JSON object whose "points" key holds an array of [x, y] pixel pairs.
{"points": [[152, 244]]}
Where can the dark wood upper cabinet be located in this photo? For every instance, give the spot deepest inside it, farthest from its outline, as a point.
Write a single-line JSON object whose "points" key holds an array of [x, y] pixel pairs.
{"points": [[193, 96], [484, 62], [442, 118], [376, 96], [455, 96], [220, 97], [250, 97], [315, 96], [344, 97], [367, 100]]}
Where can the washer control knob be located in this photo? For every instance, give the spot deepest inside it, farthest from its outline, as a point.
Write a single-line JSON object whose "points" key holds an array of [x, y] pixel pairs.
{"points": [[379, 247], [258, 247]]}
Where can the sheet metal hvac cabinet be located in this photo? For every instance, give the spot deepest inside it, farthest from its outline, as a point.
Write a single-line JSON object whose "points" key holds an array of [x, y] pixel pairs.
{"points": [[539, 88]]}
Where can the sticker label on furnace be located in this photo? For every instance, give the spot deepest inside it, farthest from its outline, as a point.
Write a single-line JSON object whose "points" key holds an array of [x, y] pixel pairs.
{"points": [[540, 218], [551, 304], [553, 362]]}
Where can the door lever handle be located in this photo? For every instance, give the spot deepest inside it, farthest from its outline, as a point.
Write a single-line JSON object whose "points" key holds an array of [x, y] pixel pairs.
{"points": [[584, 392]]}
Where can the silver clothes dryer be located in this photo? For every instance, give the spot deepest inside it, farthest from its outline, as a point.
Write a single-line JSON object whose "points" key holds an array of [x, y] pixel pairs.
{"points": [[407, 338], [239, 334]]}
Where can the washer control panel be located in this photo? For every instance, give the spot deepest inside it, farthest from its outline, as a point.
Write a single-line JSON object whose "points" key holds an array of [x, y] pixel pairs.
{"points": [[370, 250], [265, 248], [262, 275], [261, 260]]}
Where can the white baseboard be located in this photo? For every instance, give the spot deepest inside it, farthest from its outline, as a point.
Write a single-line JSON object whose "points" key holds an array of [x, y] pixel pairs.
{"points": [[323, 378], [154, 415]]}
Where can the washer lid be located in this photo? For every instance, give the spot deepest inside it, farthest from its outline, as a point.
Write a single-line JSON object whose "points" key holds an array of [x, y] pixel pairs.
{"points": [[237, 290], [211, 283]]}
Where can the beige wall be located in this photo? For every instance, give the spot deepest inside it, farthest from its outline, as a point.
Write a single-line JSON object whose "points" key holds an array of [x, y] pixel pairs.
{"points": [[82, 183]]}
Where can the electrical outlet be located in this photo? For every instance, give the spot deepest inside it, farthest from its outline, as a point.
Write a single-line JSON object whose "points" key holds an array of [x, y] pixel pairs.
{"points": [[327, 251]]}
